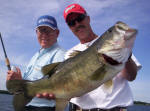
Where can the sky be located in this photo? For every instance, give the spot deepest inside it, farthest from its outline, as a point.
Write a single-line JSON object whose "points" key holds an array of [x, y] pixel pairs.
{"points": [[18, 22]]}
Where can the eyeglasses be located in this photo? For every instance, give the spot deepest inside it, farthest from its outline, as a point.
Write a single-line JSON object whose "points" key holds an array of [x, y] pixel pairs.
{"points": [[45, 30], [78, 19]]}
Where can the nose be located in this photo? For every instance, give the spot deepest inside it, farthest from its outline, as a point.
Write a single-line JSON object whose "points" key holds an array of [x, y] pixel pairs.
{"points": [[76, 24], [43, 35]]}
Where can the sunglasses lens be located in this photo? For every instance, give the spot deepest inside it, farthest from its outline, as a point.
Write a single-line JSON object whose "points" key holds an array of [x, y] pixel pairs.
{"points": [[78, 19], [71, 23]]}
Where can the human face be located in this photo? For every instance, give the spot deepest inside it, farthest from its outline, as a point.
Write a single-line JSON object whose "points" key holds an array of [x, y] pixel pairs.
{"points": [[79, 25], [46, 36]]}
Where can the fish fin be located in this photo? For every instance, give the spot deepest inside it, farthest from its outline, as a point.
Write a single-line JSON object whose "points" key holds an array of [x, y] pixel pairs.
{"points": [[19, 89], [98, 74], [74, 53], [108, 86], [20, 101], [61, 104], [49, 69]]}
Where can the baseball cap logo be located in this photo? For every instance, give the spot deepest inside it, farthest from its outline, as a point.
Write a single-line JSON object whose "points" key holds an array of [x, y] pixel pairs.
{"points": [[46, 20], [73, 8], [69, 8]]}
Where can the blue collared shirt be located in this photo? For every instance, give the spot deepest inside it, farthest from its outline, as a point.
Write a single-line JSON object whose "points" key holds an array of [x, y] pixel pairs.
{"points": [[33, 72]]}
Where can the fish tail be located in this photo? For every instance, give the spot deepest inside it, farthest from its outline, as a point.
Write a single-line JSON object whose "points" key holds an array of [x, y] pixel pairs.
{"points": [[19, 89], [20, 101]]}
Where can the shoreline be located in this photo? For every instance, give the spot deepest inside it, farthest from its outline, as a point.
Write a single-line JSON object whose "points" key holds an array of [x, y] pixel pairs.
{"points": [[135, 102], [5, 92], [141, 103]]}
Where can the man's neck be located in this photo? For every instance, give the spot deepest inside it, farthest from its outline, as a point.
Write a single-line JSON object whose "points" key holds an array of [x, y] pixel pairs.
{"points": [[89, 38], [49, 46]]}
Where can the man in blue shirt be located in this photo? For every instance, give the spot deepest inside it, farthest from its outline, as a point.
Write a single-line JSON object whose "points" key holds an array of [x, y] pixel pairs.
{"points": [[50, 52]]}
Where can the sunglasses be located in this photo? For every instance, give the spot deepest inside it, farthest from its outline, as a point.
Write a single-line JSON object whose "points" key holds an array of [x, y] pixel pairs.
{"points": [[78, 19]]}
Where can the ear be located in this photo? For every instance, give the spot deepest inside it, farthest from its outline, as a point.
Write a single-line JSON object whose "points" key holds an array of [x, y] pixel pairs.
{"points": [[88, 18], [36, 30], [57, 32]]}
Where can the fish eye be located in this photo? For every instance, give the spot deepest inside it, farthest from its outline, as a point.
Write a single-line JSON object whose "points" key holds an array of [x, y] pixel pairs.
{"points": [[110, 30]]}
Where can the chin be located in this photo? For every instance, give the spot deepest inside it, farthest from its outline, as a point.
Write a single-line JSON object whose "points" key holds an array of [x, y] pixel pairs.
{"points": [[43, 46]]}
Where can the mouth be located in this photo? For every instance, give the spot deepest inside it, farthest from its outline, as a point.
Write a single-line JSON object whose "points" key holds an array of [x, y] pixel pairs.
{"points": [[110, 60], [45, 40], [130, 33]]}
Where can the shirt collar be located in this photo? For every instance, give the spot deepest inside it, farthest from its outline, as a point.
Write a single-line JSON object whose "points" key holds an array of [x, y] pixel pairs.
{"points": [[44, 50], [87, 44]]}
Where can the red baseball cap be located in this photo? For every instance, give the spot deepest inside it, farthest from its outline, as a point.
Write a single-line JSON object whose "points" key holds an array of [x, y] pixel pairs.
{"points": [[73, 8]]}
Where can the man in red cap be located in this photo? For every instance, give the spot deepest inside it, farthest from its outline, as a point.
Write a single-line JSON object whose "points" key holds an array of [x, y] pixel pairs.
{"points": [[98, 100]]}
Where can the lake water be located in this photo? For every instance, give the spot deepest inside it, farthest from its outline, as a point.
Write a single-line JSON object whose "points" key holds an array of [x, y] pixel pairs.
{"points": [[6, 104]]}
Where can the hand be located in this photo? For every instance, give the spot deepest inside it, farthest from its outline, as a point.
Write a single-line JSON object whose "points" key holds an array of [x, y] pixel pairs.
{"points": [[12, 75], [49, 96], [130, 70]]}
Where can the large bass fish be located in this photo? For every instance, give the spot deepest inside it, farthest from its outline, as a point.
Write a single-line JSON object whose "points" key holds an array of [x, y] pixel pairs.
{"points": [[82, 73]]}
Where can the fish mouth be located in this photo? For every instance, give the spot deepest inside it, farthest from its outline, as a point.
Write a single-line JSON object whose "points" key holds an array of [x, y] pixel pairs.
{"points": [[110, 60]]}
